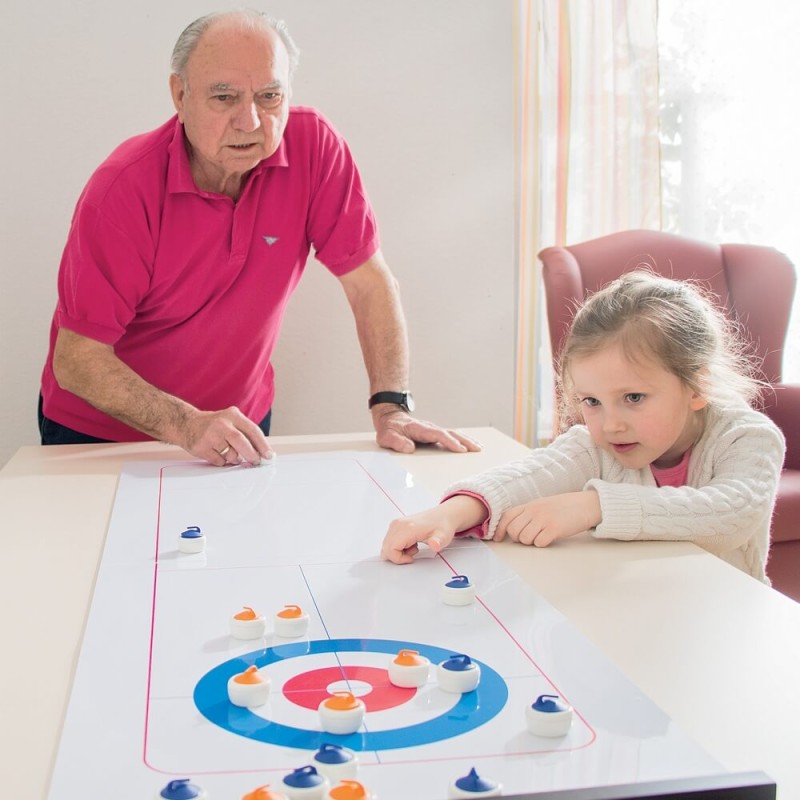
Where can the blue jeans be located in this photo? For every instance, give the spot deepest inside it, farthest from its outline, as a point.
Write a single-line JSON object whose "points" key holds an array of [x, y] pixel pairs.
{"points": [[55, 433]]}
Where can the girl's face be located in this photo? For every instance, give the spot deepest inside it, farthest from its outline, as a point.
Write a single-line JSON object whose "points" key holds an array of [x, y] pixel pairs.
{"points": [[638, 412]]}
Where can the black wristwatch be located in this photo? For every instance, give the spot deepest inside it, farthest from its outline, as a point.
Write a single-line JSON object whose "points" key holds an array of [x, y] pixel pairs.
{"points": [[402, 399]]}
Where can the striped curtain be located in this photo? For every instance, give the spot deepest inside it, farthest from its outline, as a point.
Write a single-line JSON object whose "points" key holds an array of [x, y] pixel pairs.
{"points": [[588, 150]]}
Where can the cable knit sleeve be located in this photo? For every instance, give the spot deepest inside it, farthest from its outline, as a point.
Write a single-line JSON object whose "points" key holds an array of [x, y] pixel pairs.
{"points": [[563, 466], [727, 505], [725, 508]]}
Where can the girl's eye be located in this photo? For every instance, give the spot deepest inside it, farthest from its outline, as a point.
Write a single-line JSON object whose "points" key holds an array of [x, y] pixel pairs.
{"points": [[634, 397], [592, 402]]}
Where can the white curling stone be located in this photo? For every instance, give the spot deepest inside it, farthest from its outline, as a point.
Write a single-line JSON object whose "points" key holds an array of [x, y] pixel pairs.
{"points": [[458, 591], [263, 792], [290, 627], [248, 628], [305, 783], [473, 785], [341, 720], [549, 716], [250, 693], [458, 681], [191, 541], [336, 763], [181, 788], [349, 789], [410, 675]]}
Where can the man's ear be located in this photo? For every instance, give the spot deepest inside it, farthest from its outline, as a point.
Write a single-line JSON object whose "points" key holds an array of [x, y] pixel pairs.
{"points": [[177, 89]]}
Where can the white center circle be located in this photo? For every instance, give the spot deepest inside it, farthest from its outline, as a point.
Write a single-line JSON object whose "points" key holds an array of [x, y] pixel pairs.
{"points": [[356, 688]]}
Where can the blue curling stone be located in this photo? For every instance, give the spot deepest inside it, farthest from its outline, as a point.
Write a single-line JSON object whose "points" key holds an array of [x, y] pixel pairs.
{"points": [[458, 663], [549, 704], [180, 789], [333, 754], [474, 783], [304, 778]]}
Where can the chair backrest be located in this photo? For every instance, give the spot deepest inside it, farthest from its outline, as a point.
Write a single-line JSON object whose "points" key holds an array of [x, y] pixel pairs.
{"points": [[754, 284]]}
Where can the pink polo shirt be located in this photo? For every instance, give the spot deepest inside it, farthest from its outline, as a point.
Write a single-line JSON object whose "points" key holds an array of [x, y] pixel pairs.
{"points": [[189, 287]]}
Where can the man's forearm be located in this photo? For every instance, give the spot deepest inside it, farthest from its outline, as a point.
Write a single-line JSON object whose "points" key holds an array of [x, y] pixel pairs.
{"points": [[375, 301], [91, 370]]}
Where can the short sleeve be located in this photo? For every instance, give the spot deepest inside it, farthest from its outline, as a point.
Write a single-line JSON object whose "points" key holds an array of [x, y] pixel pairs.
{"points": [[103, 274], [341, 226]]}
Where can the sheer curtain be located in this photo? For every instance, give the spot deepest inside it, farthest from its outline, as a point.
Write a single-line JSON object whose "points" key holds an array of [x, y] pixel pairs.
{"points": [[730, 156], [588, 150]]}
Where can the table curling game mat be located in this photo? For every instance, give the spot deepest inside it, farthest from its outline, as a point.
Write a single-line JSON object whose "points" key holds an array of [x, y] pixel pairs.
{"points": [[149, 703]]}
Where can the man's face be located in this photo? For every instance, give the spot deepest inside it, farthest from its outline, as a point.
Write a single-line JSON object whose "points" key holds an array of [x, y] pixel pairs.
{"points": [[233, 102]]}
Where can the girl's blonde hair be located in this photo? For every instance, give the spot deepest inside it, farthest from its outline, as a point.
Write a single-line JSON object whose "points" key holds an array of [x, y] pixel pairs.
{"points": [[673, 322]]}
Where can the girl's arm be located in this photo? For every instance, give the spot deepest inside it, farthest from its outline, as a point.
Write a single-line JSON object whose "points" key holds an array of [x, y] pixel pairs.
{"points": [[563, 467], [541, 522], [734, 474], [435, 526]]}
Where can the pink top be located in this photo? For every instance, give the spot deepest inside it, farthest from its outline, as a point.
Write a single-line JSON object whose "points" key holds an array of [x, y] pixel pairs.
{"points": [[673, 476], [190, 287]]}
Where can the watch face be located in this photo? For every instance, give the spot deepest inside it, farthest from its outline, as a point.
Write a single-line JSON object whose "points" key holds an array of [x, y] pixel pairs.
{"points": [[409, 402]]}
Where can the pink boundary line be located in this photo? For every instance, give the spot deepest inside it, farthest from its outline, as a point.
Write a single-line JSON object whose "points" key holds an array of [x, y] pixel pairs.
{"points": [[378, 763], [507, 632], [153, 617], [530, 658]]}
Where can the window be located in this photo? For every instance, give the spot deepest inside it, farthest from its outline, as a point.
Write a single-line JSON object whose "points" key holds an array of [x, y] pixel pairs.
{"points": [[730, 146]]}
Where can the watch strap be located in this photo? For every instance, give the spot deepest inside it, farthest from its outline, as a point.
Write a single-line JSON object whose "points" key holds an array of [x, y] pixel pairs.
{"points": [[402, 399]]}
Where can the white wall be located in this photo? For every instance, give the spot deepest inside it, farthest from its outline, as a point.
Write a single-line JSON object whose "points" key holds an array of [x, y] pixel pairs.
{"points": [[422, 90]]}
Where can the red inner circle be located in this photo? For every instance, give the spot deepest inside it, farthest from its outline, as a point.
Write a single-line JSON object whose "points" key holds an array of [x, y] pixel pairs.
{"points": [[310, 688]]}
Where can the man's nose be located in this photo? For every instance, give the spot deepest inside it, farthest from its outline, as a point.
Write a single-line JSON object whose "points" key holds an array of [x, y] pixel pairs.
{"points": [[246, 117]]}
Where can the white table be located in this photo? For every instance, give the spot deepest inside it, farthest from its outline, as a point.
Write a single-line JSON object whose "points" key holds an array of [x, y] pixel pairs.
{"points": [[716, 650]]}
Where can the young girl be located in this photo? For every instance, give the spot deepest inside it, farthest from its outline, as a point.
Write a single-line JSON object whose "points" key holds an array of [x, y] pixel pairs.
{"points": [[669, 447]]}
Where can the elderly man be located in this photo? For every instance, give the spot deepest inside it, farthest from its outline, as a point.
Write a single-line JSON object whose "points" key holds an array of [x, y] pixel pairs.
{"points": [[185, 247]]}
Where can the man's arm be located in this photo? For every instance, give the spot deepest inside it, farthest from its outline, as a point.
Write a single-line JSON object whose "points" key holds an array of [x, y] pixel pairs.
{"points": [[91, 370], [374, 298]]}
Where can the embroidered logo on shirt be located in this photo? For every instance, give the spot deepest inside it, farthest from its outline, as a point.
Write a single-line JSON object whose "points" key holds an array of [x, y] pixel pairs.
{"points": [[270, 240]]}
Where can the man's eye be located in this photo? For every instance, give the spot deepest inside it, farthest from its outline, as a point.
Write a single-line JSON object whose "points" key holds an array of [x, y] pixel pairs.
{"points": [[223, 98], [271, 99], [634, 397]]}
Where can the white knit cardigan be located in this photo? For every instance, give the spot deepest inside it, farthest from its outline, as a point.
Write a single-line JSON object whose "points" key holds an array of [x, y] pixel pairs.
{"points": [[725, 508]]}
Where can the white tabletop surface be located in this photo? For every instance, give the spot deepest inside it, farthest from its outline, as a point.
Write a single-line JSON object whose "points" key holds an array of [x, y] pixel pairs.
{"points": [[716, 650]]}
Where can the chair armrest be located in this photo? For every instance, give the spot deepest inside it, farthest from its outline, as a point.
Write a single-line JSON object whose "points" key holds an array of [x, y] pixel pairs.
{"points": [[781, 404]]}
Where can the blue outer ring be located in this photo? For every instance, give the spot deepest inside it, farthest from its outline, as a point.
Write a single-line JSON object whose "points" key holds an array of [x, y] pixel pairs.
{"points": [[471, 711]]}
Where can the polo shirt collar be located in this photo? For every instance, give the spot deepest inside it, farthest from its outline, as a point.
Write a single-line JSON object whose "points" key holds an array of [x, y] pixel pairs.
{"points": [[179, 172]]}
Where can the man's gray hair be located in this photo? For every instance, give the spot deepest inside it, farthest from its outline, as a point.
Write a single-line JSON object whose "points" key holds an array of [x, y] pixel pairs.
{"points": [[249, 19]]}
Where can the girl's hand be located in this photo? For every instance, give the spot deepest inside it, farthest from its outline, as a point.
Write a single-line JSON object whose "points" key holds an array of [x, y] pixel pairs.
{"points": [[546, 519], [436, 527]]}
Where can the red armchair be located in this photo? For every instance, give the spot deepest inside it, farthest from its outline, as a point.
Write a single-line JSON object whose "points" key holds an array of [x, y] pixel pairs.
{"points": [[754, 284]]}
